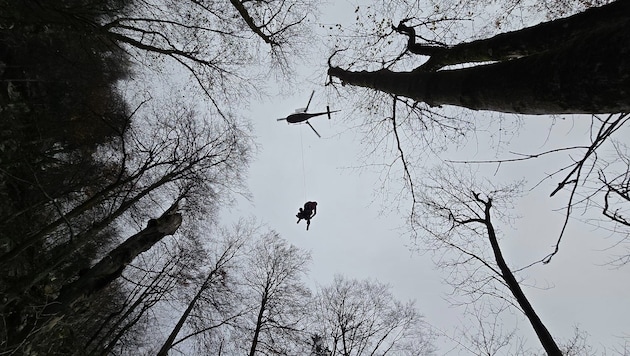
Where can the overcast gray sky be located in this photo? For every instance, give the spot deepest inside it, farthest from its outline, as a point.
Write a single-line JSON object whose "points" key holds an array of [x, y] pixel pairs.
{"points": [[358, 233]]}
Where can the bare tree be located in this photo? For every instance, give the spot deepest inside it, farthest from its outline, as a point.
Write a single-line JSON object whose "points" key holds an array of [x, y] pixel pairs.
{"points": [[116, 326], [215, 305], [353, 318], [178, 153], [530, 75], [179, 157], [484, 331], [101, 274], [417, 128], [221, 44], [145, 159], [460, 220], [277, 296]]}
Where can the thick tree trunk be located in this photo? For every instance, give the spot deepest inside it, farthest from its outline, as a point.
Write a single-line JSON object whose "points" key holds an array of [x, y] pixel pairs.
{"points": [[60, 254], [29, 241], [528, 41], [109, 267], [101, 274], [590, 74]]}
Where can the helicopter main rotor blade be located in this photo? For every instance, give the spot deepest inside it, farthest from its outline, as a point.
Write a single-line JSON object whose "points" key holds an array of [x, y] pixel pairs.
{"points": [[309, 101], [316, 133], [281, 119]]}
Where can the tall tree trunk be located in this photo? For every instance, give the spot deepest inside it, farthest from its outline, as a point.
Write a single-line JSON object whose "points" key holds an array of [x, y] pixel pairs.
{"points": [[259, 324], [111, 266], [516, 44], [589, 74], [544, 336], [180, 323], [29, 241], [106, 270], [61, 253]]}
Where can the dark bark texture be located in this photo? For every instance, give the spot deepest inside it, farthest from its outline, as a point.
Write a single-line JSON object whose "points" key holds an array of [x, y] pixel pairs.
{"points": [[259, 324], [545, 337], [168, 344], [109, 267], [582, 69]]}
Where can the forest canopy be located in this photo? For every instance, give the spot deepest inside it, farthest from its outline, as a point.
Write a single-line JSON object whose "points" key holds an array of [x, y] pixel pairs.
{"points": [[123, 138]]}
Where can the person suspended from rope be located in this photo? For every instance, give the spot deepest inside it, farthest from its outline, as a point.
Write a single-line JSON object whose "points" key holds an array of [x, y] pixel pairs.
{"points": [[307, 213]]}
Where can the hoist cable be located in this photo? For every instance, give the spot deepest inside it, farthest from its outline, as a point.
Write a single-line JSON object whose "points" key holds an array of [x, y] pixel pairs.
{"points": [[303, 169]]}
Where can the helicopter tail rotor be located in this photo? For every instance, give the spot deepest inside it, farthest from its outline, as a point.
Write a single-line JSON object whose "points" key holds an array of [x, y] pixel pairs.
{"points": [[330, 112]]}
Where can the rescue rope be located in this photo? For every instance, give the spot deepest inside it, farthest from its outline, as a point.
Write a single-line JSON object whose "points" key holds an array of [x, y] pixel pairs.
{"points": [[303, 169]]}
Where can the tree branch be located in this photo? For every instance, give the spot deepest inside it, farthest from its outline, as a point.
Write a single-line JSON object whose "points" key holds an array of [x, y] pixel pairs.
{"points": [[252, 25], [543, 334]]}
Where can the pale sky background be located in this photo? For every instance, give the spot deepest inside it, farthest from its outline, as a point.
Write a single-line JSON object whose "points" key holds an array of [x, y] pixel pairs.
{"points": [[358, 234]]}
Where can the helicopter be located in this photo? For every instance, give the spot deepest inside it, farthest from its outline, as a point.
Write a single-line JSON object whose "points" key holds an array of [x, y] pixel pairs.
{"points": [[301, 115]]}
